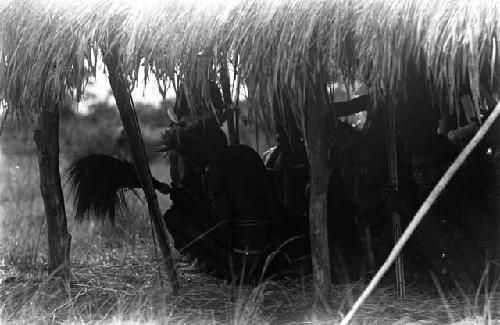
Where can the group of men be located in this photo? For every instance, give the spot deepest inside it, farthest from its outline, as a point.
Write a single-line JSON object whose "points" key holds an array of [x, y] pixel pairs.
{"points": [[458, 238], [245, 218]]}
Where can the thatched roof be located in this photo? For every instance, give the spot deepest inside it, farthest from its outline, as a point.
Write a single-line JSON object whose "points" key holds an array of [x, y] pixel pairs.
{"points": [[50, 47]]}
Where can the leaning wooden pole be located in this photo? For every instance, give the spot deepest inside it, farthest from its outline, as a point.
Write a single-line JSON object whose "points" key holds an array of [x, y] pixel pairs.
{"points": [[59, 239], [396, 220], [119, 86]]}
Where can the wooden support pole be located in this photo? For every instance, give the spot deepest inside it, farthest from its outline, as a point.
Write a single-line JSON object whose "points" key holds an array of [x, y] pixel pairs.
{"points": [[119, 86], [59, 239], [316, 136]]}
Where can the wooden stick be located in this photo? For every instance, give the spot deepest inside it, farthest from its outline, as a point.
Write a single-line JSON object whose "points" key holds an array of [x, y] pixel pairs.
{"points": [[422, 211], [396, 220], [369, 249]]}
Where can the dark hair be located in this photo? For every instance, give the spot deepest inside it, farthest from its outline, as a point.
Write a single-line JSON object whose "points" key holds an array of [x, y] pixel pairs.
{"points": [[201, 138]]}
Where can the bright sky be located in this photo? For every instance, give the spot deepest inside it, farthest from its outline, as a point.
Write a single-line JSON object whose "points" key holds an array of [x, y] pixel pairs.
{"points": [[100, 91]]}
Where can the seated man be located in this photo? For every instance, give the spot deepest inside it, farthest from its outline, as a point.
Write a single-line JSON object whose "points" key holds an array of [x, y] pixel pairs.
{"points": [[363, 169], [441, 238], [288, 169], [223, 212]]}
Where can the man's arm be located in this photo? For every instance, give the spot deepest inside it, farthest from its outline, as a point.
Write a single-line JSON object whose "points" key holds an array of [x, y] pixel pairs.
{"points": [[353, 106]]}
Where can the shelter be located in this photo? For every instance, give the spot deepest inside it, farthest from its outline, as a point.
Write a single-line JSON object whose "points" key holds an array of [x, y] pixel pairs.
{"points": [[292, 49]]}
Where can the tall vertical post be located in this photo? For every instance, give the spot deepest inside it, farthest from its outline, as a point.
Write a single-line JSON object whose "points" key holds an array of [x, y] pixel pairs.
{"points": [[393, 176], [59, 239], [119, 86], [316, 137]]}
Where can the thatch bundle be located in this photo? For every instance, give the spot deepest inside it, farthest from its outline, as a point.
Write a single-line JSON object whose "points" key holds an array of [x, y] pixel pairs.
{"points": [[453, 42], [49, 48]]}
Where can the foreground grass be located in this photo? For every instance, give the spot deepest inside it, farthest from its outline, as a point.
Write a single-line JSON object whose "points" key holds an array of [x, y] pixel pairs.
{"points": [[123, 286], [121, 280]]}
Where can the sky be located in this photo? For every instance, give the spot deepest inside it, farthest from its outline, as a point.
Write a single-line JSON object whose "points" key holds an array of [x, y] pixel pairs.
{"points": [[98, 90]]}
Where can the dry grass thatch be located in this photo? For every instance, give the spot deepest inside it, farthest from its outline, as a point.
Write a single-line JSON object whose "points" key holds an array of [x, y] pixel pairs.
{"points": [[50, 47]]}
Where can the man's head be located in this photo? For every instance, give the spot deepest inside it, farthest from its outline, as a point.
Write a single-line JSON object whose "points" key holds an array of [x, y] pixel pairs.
{"points": [[429, 162], [197, 140], [427, 169]]}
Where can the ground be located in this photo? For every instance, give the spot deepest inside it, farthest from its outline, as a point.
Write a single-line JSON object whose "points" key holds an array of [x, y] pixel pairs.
{"points": [[121, 285], [119, 276]]}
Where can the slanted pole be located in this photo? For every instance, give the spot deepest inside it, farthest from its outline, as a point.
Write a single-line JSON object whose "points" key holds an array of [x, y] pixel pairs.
{"points": [[316, 137], [59, 240], [119, 86]]}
